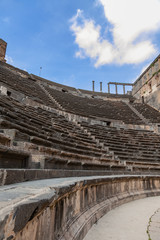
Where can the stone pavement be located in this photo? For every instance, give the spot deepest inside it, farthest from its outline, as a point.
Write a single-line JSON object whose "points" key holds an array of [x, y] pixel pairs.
{"points": [[129, 222], [154, 226]]}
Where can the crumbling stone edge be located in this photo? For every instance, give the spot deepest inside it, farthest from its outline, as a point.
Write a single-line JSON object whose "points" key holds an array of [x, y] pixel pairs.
{"points": [[154, 225], [68, 211]]}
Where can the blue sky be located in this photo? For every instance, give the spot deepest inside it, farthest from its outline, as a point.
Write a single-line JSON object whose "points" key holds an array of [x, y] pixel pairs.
{"points": [[76, 42]]}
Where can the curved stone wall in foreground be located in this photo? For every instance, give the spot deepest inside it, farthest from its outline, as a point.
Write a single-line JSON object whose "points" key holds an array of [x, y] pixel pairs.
{"points": [[65, 209]]}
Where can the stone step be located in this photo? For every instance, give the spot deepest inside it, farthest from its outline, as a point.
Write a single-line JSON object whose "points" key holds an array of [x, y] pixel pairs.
{"points": [[13, 158]]}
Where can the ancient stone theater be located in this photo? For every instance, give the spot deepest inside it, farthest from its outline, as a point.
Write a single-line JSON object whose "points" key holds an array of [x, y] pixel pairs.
{"points": [[68, 156]]}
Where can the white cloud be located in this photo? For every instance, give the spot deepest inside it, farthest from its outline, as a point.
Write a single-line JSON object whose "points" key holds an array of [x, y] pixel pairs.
{"points": [[132, 23], [9, 60]]}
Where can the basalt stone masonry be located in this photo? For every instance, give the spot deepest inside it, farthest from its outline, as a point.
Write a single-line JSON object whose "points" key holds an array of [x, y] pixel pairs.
{"points": [[65, 209]]}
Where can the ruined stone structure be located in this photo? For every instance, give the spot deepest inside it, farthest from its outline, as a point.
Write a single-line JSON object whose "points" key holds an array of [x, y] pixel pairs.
{"points": [[118, 84], [90, 152], [3, 46], [146, 88]]}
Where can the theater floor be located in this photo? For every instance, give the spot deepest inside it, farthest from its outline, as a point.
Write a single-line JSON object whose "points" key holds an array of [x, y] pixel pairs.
{"points": [[129, 221]]}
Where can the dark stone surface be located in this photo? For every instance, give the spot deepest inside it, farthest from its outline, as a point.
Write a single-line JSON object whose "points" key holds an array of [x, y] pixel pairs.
{"points": [[14, 176], [22, 175], [60, 204], [23, 214], [2, 226], [10, 238]]}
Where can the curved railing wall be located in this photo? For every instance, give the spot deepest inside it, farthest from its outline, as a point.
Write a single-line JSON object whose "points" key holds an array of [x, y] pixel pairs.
{"points": [[65, 209]]}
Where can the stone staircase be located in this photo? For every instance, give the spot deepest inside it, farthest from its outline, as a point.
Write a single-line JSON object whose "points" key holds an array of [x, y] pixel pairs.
{"points": [[109, 154], [137, 113], [49, 95]]}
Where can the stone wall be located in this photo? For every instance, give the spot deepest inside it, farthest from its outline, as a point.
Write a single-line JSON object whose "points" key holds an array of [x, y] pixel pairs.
{"points": [[147, 86], [65, 209], [3, 46]]}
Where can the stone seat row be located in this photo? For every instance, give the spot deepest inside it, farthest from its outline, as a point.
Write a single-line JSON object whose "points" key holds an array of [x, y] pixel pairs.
{"points": [[52, 158], [42, 120], [139, 136], [25, 136], [148, 112], [26, 130], [33, 136], [125, 145], [23, 85], [69, 161], [13, 158], [84, 106]]}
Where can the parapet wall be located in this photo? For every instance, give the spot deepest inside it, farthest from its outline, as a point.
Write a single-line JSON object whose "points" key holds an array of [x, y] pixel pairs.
{"points": [[65, 209]]}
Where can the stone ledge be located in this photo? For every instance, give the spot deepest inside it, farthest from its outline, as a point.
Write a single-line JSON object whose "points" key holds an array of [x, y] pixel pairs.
{"points": [[12, 176], [66, 208]]}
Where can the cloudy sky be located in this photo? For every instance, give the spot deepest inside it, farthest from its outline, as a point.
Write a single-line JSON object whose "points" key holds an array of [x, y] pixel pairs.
{"points": [[76, 42]]}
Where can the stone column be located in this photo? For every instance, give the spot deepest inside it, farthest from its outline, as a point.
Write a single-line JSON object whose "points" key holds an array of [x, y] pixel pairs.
{"points": [[108, 88], [116, 88], [93, 85], [100, 86], [124, 92]]}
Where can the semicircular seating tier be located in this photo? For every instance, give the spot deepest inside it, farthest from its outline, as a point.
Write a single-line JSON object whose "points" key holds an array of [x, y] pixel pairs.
{"points": [[49, 130]]}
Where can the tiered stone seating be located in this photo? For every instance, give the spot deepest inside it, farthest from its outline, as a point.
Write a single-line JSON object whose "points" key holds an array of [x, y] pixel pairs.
{"points": [[136, 148], [23, 84], [115, 110], [11, 157], [148, 112], [42, 138], [57, 85], [14, 69], [63, 144]]}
